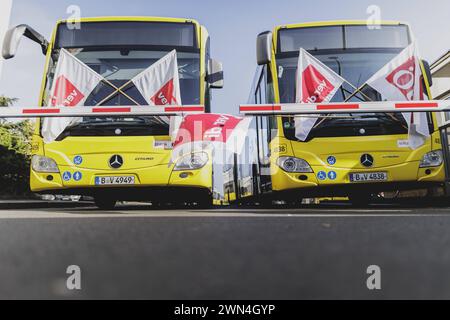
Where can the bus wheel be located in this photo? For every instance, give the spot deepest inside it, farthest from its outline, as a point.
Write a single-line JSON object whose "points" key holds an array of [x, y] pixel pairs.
{"points": [[105, 203], [360, 199]]}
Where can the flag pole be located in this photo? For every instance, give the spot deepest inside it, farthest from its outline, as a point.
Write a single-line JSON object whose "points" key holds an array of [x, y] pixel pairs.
{"points": [[118, 90], [357, 90]]}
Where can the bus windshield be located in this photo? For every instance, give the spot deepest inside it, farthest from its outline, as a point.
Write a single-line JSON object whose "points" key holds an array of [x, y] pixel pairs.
{"points": [[355, 64], [118, 52]]}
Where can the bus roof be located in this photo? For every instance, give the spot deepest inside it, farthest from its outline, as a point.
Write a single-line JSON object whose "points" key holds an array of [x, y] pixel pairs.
{"points": [[131, 18], [337, 23]]}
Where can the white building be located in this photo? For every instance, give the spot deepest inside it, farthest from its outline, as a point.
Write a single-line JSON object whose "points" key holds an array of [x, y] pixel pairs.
{"points": [[5, 13], [441, 77]]}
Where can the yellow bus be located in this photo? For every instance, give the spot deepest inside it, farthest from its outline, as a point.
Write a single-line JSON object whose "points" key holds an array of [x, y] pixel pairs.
{"points": [[127, 157], [374, 145]]}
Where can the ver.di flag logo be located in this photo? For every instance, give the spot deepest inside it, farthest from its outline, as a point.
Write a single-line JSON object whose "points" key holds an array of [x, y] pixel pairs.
{"points": [[403, 78], [315, 83], [65, 93], [315, 87], [165, 95]]}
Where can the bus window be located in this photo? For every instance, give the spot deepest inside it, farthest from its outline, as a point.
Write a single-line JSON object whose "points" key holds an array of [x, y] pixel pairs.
{"points": [[262, 122]]}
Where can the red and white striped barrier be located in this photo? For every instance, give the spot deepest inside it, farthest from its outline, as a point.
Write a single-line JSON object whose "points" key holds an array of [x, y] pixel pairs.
{"points": [[362, 107], [34, 112]]}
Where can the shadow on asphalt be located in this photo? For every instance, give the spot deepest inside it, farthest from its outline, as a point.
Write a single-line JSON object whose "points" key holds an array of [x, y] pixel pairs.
{"points": [[88, 207], [326, 207]]}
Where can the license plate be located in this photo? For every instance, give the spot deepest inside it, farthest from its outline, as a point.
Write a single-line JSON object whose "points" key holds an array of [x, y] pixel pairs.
{"points": [[99, 181], [367, 177]]}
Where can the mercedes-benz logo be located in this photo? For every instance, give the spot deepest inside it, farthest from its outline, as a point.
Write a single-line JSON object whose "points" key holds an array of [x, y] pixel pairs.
{"points": [[116, 161], [367, 160]]}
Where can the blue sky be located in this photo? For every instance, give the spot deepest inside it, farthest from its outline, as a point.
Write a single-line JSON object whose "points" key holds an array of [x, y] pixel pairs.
{"points": [[233, 26]]}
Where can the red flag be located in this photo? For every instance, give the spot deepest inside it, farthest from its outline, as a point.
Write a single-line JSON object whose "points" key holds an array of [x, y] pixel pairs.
{"points": [[198, 132]]}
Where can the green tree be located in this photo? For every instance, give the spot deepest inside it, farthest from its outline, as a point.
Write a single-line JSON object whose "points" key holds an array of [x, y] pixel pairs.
{"points": [[6, 102], [15, 145]]}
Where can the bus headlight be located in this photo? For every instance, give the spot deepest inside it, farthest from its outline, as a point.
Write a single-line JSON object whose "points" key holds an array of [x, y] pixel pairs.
{"points": [[192, 161], [291, 164], [432, 159], [44, 164]]}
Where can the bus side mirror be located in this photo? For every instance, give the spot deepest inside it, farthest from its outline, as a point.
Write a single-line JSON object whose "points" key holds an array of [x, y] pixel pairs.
{"points": [[13, 37], [427, 68], [263, 48], [215, 74]]}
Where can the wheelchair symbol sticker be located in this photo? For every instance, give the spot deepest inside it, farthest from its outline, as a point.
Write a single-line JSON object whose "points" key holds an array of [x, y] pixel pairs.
{"points": [[332, 175], [331, 160], [322, 175], [77, 176], [78, 160], [67, 176]]}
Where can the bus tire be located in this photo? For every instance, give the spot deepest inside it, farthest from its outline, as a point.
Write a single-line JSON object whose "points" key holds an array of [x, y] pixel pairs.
{"points": [[105, 203]]}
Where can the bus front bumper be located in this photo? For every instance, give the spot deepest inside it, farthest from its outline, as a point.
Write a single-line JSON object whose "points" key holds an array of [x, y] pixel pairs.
{"points": [[331, 181], [149, 183]]}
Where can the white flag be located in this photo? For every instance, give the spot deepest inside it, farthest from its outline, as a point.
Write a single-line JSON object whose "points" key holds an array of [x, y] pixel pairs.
{"points": [[72, 84], [315, 83], [400, 80], [159, 84]]}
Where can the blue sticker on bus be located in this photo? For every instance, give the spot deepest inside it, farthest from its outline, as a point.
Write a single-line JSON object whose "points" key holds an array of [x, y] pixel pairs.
{"points": [[331, 160], [78, 160], [77, 176], [67, 176], [322, 175], [332, 175]]}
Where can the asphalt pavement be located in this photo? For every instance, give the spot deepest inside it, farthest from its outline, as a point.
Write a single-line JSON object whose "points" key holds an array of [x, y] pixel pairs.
{"points": [[137, 252]]}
